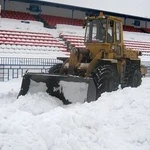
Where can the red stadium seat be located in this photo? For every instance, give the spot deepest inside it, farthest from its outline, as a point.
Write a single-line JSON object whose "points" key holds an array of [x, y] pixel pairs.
{"points": [[30, 41], [53, 20], [78, 41], [131, 28], [16, 15]]}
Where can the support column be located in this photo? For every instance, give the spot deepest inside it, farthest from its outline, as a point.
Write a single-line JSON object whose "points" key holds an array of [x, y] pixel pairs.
{"points": [[72, 16], [125, 21], [145, 24], [4, 6]]}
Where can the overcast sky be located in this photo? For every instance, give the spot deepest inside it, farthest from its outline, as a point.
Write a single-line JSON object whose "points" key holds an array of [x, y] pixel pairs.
{"points": [[131, 7]]}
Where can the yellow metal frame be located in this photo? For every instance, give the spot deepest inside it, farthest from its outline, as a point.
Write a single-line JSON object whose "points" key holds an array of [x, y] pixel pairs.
{"points": [[102, 52]]}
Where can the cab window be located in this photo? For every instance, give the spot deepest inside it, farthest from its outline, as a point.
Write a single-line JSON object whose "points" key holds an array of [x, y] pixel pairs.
{"points": [[96, 31], [110, 33], [118, 32]]}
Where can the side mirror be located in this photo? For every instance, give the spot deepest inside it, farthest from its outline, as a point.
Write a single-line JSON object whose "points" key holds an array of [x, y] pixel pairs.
{"points": [[140, 53]]}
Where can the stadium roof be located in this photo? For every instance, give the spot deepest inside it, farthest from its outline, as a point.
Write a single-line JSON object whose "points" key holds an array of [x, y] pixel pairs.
{"points": [[137, 9]]}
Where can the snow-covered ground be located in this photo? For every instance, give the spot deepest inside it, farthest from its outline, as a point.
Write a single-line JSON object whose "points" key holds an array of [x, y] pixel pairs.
{"points": [[118, 120]]}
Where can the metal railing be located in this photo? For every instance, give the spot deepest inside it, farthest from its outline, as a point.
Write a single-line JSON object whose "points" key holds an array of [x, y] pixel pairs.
{"points": [[11, 68], [28, 61], [16, 67]]}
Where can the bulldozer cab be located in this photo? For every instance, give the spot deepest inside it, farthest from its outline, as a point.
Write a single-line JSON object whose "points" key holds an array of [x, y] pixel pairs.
{"points": [[104, 32]]}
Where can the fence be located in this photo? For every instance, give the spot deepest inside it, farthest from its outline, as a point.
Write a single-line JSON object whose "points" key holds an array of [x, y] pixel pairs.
{"points": [[11, 68], [15, 67]]}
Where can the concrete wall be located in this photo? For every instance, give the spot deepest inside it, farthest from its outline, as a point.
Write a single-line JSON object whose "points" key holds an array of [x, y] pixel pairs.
{"points": [[22, 7], [15, 6], [148, 24], [130, 22], [62, 12]]}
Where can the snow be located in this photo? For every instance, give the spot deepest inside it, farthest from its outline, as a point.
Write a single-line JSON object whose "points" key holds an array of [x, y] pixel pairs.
{"points": [[118, 120], [74, 91], [37, 87]]}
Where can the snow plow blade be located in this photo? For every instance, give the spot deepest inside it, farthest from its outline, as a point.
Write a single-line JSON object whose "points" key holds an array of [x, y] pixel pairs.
{"points": [[67, 88]]}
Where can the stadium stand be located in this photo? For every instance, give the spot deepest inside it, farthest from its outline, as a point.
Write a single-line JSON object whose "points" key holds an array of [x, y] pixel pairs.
{"points": [[53, 20], [131, 29], [16, 15], [145, 30], [78, 41], [21, 49], [19, 42]]}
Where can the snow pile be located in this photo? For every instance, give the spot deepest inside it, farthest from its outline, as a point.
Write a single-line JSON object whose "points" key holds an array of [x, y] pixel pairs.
{"points": [[136, 36], [20, 25], [70, 30], [118, 120], [74, 91]]}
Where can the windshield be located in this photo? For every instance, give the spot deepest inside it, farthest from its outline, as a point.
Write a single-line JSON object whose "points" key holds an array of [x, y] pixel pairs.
{"points": [[96, 31]]}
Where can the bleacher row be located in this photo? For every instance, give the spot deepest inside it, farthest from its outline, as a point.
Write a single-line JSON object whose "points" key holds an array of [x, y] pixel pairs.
{"points": [[78, 41], [16, 15], [19, 42], [53, 20]]}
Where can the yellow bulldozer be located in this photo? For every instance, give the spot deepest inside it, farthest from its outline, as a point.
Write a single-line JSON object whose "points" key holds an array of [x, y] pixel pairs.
{"points": [[87, 73]]}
